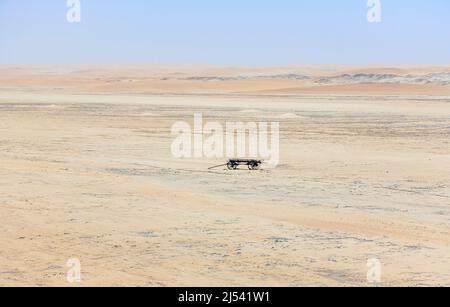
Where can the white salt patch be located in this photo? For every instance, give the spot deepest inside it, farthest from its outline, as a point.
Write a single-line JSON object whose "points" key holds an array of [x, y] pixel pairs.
{"points": [[289, 116]]}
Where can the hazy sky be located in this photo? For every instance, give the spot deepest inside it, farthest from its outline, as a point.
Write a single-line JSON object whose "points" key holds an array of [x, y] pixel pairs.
{"points": [[248, 32]]}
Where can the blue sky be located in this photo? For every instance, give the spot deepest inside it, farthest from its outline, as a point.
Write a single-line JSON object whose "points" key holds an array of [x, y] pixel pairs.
{"points": [[240, 32]]}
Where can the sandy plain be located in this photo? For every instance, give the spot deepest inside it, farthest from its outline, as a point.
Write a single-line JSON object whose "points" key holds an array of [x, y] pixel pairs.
{"points": [[86, 172]]}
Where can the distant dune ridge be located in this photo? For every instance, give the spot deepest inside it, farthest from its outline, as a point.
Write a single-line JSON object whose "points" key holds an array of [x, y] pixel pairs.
{"points": [[189, 79]]}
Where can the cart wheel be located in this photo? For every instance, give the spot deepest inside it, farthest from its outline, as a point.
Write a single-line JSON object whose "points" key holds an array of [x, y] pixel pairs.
{"points": [[254, 166], [231, 166]]}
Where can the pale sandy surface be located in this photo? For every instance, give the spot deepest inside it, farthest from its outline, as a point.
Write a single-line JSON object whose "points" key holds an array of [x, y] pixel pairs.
{"points": [[88, 174]]}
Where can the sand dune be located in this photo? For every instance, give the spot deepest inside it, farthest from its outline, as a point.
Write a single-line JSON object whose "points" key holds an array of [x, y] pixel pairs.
{"points": [[419, 80]]}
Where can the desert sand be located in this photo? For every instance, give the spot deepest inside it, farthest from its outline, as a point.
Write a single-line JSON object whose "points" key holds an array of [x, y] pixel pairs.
{"points": [[86, 172]]}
